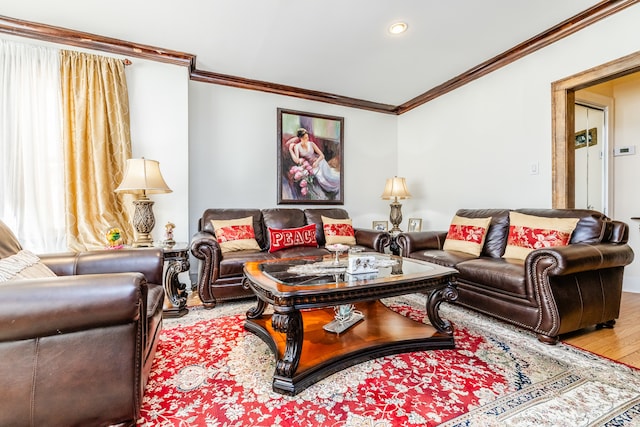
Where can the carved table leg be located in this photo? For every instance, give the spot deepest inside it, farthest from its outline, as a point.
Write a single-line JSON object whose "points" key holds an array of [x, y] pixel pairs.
{"points": [[256, 312], [291, 324], [175, 291], [447, 293]]}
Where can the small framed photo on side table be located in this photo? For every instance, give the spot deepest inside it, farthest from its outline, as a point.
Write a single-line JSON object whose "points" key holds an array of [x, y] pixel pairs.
{"points": [[415, 224], [380, 225]]}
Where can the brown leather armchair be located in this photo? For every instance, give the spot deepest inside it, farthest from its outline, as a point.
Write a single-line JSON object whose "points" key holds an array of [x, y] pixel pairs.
{"points": [[77, 349]]}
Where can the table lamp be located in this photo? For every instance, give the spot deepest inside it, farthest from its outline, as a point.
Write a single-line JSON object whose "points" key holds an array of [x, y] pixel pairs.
{"points": [[395, 188], [142, 177]]}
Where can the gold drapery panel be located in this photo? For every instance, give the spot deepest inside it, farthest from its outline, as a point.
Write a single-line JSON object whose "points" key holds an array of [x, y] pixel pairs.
{"points": [[97, 144]]}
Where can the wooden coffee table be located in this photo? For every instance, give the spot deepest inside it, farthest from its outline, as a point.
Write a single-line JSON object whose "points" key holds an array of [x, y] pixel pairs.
{"points": [[303, 304]]}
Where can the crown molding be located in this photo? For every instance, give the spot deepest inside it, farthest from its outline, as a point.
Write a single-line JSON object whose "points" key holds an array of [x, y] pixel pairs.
{"points": [[80, 39]]}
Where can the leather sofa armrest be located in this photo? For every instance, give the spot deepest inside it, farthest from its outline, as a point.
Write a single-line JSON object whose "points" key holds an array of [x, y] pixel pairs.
{"points": [[419, 240], [377, 240], [206, 248], [148, 261], [578, 257], [33, 308]]}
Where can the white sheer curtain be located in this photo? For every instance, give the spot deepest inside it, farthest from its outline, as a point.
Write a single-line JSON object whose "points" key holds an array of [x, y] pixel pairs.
{"points": [[31, 153]]}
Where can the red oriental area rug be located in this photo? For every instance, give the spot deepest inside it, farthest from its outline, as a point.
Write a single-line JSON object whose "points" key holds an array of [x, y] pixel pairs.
{"points": [[210, 372]]}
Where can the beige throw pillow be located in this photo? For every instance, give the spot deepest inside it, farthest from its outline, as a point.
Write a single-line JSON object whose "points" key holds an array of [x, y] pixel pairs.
{"points": [[23, 265], [467, 235], [338, 231], [235, 234], [528, 232]]}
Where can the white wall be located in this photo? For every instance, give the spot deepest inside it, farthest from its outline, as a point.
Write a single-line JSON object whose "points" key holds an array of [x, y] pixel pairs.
{"points": [[233, 152], [473, 147], [626, 171], [159, 104]]}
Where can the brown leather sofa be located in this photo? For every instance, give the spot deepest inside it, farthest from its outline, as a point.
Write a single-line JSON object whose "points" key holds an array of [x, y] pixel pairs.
{"points": [[220, 276], [554, 290], [77, 349]]}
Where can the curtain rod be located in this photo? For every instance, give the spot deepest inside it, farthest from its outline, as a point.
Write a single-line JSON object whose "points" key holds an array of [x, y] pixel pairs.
{"points": [[127, 62]]}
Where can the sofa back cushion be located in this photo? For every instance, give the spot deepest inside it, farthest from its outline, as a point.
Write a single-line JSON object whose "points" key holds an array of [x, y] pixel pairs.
{"points": [[591, 227], [496, 240], [227, 214], [314, 216], [281, 219]]}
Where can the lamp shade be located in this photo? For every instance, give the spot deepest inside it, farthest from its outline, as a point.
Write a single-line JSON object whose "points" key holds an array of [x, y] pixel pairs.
{"points": [[143, 176], [396, 188]]}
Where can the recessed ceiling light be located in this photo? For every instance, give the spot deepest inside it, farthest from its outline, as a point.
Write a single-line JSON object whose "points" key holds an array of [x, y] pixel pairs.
{"points": [[398, 27]]}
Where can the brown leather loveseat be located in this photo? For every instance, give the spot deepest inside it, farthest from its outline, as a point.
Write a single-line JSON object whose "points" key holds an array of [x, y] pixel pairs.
{"points": [[553, 290], [77, 349], [220, 275]]}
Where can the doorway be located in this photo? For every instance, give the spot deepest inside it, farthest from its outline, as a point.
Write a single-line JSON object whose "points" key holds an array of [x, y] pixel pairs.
{"points": [[591, 156], [564, 127]]}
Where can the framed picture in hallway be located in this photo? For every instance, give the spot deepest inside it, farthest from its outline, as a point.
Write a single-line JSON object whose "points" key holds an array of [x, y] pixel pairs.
{"points": [[310, 150]]}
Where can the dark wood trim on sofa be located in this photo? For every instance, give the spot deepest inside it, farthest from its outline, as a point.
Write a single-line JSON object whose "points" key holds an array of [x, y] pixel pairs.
{"points": [[91, 41]]}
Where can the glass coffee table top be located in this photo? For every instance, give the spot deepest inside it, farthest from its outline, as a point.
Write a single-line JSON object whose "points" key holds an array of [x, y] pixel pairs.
{"points": [[324, 270]]}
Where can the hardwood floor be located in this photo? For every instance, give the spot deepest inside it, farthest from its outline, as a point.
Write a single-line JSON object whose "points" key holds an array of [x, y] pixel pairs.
{"points": [[622, 343]]}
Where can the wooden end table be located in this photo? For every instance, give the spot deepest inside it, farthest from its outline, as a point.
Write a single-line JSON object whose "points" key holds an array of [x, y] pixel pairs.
{"points": [[303, 305], [176, 260]]}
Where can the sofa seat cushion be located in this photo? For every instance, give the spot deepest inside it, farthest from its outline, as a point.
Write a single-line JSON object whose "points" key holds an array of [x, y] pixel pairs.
{"points": [[446, 258], [504, 275], [233, 262], [300, 251]]}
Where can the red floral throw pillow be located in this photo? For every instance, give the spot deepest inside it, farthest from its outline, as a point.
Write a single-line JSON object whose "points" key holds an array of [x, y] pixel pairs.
{"points": [[290, 237], [338, 231], [467, 235], [235, 234], [528, 232]]}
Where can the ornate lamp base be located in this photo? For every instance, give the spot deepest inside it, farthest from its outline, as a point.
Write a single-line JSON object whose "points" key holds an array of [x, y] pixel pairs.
{"points": [[143, 222], [395, 216]]}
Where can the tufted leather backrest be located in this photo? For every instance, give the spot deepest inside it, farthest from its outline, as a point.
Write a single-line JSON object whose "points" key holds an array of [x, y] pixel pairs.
{"points": [[281, 218], [226, 214], [9, 244], [314, 216], [496, 239], [592, 227]]}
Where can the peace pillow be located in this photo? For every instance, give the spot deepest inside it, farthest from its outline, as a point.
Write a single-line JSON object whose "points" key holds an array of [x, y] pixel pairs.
{"points": [[529, 232], [235, 234], [290, 237], [467, 235], [338, 231]]}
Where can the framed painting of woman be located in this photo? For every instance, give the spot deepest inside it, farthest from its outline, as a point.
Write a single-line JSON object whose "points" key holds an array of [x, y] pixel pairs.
{"points": [[310, 158]]}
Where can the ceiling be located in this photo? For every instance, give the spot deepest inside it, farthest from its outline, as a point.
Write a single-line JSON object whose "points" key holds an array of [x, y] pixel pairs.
{"points": [[334, 46]]}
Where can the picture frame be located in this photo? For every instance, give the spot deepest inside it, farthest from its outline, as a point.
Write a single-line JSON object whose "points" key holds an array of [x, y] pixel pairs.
{"points": [[415, 224], [380, 225], [581, 138], [310, 150]]}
